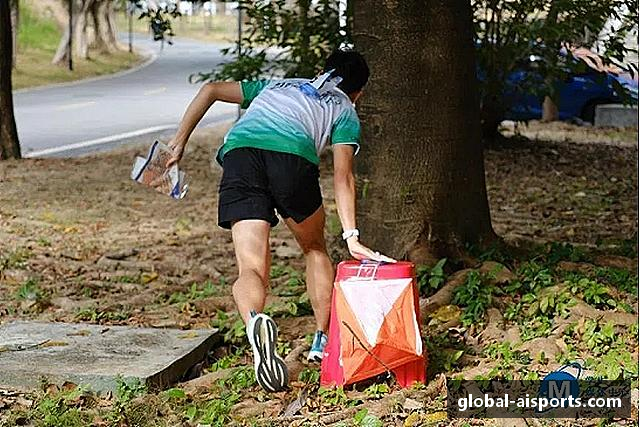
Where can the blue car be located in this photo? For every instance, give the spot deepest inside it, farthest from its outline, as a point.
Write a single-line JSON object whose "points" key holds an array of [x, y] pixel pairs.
{"points": [[579, 94]]}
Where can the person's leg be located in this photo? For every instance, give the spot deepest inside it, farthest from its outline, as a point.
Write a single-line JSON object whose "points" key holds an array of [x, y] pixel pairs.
{"points": [[251, 244], [319, 270]]}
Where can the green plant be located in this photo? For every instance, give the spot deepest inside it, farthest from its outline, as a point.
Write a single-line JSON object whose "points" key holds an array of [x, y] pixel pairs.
{"points": [[539, 326], [475, 296], [128, 389], [376, 391], [614, 364], [174, 394], [240, 379], [431, 279], [333, 396], [362, 418], [93, 314], [14, 259], [29, 290], [304, 34], [598, 338], [227, 361], [292, 307], [232, 327], [506, 354], [309, 376], [444, 352], [564, 252], [59, 409], [533, 276], [495, 251], [208, 289], [547, 302], [592, 292], [621, 279]]}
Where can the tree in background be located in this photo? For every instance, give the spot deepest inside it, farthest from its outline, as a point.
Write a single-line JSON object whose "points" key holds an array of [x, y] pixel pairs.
{"points": [[510, 32], [421, 175], [507, 34], [93, 25], [9, 144], [15, 21], [283, 37]]}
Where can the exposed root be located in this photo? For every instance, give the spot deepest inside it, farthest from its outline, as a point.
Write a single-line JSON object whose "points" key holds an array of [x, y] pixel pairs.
{"points": [[582, 309], [205, 382], [444, 295]]}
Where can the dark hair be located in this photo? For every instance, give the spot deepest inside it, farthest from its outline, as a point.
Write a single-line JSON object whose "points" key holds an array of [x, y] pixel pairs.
{"points": [[351, 66]]}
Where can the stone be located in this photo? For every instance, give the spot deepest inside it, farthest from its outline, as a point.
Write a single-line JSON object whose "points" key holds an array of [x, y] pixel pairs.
{"points": [[616, 115], [95, 356]]}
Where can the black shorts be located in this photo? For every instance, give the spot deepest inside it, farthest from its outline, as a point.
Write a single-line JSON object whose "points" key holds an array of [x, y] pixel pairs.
{"points": [[256, 183]]}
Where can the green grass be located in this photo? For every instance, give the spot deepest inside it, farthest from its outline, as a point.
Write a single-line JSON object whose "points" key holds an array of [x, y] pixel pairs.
{"points": [[36, 32], [38, 38]]}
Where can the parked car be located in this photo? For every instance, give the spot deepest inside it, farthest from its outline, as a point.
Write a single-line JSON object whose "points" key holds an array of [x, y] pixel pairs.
{"points": [[579, 94]]}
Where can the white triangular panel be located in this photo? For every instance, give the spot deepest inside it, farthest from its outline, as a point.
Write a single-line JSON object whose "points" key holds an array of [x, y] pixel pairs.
{"points": [[372, 300]]}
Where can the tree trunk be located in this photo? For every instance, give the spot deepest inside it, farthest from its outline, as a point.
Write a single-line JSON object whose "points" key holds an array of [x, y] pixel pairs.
{"points": [[9, 144], [61, 56], [99, 10], [15, 24], [421, 176], [109, 16], [81, 39], [550, 111]]}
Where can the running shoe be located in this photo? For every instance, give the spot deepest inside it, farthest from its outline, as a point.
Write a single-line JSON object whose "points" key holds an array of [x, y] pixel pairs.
{"points": [[317, 347], [271, 371]]}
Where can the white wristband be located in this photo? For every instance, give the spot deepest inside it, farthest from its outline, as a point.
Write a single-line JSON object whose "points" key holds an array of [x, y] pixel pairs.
{"points": [[350, 233]]}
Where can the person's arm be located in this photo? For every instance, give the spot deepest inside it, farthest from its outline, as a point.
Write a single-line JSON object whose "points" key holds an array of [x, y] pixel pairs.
{"points": [[345, 193], [207, 95]]}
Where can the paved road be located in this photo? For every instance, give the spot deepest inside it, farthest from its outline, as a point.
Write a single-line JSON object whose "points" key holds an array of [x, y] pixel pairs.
{"points": [[97, 115]]}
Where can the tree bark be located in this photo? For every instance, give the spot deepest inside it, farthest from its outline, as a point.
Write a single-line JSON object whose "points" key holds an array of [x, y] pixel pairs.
{"points": [[81, 37], [109, 15], [420, 174], [80, 41], [9, 144], [15, 23], [550, 111], [99, 18], [62, 53]]}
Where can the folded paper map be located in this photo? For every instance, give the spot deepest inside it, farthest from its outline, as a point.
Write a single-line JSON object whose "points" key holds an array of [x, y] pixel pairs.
{"points": [[153, 172]]}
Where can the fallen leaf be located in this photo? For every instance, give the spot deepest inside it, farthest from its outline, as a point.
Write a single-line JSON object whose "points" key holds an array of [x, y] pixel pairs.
{"points": [[53, 344], [80, 333], [447, 313], [148, 277]]}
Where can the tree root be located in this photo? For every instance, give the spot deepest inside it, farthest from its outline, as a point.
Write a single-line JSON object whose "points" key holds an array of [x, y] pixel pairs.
{"points": [[205, 382], [294, 365], [444, 295], [582, 309]]}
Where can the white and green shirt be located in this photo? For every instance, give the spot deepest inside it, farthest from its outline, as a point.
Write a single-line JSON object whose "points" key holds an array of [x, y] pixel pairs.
{"points": [[280, 117]]}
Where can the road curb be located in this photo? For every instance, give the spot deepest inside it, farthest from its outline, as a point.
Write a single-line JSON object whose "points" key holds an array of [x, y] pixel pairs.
{"points": [[151, 55]]}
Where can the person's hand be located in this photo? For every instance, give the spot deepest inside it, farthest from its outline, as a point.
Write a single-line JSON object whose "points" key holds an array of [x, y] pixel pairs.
{"points": [[178, 151], [361, 252]]}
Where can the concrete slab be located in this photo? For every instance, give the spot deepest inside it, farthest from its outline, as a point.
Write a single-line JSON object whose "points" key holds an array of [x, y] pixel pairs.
{"points": [[616, 115], [95, 355]]}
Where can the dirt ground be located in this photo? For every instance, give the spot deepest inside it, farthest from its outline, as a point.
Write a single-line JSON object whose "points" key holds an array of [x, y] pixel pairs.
{"points": [[81, 242]]}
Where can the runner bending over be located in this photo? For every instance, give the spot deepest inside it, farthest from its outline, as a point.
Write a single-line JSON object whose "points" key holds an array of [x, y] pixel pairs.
{"points": [[270, 163]]}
